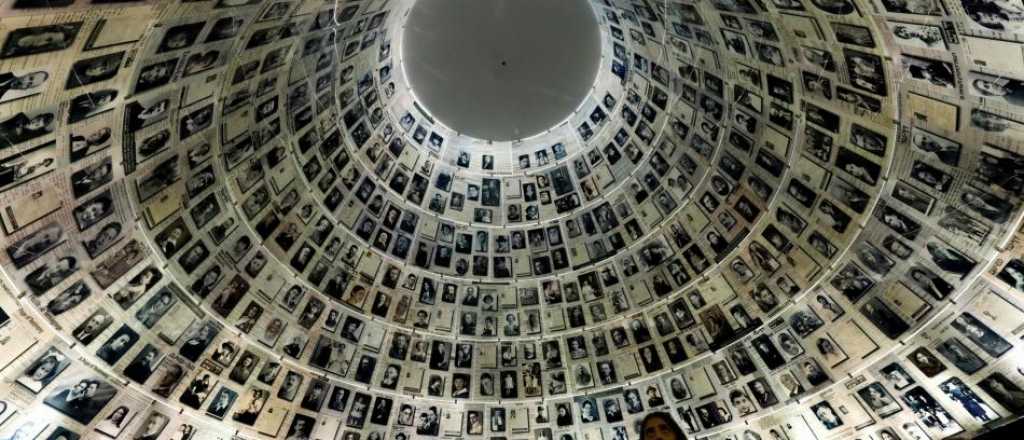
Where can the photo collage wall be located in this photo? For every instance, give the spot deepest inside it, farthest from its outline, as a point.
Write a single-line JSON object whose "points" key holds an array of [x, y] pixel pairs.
{"points": [[769, 219]]}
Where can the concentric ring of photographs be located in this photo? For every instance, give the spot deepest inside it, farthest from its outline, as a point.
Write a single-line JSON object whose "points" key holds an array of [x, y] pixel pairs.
{"points": [[246, 223]]}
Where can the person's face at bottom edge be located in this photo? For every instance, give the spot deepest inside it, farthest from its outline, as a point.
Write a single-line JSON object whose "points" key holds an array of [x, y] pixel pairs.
{"points": [[657, 428]]}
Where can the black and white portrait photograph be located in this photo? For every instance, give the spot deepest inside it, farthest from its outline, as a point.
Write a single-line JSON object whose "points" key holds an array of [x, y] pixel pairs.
{"points": [[221, 403], [85, 141], [81, 396], [92, 177], [155, 75], [93, 210], [151, 426], [937, 73], [118, 344], [93, 326], [35, 244], [40, 39], [88, 105], [22, 127], [827, 415], [44, 370], [94, 70], [144, 364], [879, 400], [301, 427], [930, 413], [199, 389], [957, 391], [15, 85], [119, 417]]}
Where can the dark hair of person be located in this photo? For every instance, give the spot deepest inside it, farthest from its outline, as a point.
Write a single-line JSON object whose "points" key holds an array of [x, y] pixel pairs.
{"points": [[676, 430]]}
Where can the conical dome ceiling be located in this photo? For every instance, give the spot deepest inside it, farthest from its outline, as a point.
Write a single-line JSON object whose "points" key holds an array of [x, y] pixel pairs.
{"points": [[514, 220]]}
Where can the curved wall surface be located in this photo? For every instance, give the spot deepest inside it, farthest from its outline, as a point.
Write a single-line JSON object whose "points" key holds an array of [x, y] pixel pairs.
{"points": [[770, 220]]}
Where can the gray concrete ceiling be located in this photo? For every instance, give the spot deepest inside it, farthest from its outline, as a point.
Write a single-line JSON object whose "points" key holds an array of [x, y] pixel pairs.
{"points": [[501, 69]]}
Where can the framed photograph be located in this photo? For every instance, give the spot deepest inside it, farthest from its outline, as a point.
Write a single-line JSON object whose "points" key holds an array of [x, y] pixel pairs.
{"points": [[805, 321], [994, 164], [221, 403], [825, 414], [93, 326], [724, 372], [118, 344], [36, 244], [857, 166], [152, 425], [199, 389], [789, 344], [962, 357], [865, 70], [119, 263], [879, 400], [949, 259], [931, 177], [88, 105], [913, 198], [69, 298], [180, 37], [224, 28], [928, 7], [159, 177], [917, 35], [736, 42], [81, 397], [44, 370], [762, 392], [196, 121], [40, 39], [27, 165], [957, 391], [930, 413], [887, 321], [1000, 89], [4, 319], [193, 257], [860, 101], [852, 34], [169, 374], [1004, 391], [21, 84], [155, 308], [144, 364], [897, 377], [770, 354], [94, 70], [93, 210], [91, 177], [981, 335], [934, 146], [115, 421], [302, 426], [713, 414], [936, 73], [926, 362], [251, 406], [900, 223], [154, 76], [86, 141], [137, 286], [149, 146]]}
